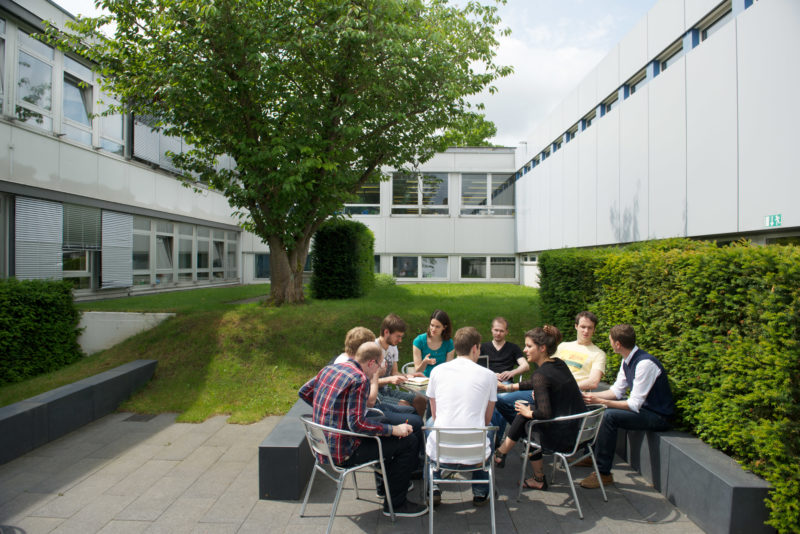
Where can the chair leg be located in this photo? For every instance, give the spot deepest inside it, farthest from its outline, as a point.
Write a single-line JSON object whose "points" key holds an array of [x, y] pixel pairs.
{"points": [[355, 485], [308, 489], [572, 487], [339, 487], [491, 491], [524, 467], [597, 474], [429, 471]]}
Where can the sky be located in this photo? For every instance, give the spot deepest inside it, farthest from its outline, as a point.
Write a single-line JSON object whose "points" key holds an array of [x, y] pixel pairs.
{"points": [[553, 45]]}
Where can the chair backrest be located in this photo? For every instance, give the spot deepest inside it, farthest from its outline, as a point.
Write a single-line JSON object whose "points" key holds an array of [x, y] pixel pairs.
{"points": [[483, 360], [460, 445], [587, 425], [316, 438], [408, 368]]}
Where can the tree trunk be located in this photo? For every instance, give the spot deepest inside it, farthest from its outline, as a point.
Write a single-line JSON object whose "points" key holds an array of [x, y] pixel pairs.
{"points": [[286, 278]]}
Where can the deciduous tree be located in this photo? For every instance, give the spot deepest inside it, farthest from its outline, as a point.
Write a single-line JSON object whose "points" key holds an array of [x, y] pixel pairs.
{"points": [[309, 97]]}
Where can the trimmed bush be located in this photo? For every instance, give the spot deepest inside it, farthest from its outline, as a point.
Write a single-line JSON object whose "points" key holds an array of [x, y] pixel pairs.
{"points": [[38, 328], [342, 259], [726, 324]]}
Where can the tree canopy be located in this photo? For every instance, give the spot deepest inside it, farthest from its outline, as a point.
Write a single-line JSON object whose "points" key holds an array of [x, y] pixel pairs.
{"points": [[470, 129], [309, 97]]}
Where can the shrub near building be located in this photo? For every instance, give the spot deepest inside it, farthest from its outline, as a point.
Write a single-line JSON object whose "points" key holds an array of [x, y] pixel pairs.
{"points": [[342, 260], [726, 324], [38, 328]]}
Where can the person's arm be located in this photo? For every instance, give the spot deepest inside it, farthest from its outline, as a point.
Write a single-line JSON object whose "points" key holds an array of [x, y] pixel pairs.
{"points": [[392, 378], [433, 407], [374, 386], [450, 355], [356, 406], [306, 391], [489, 412], [588, 384], [522, 367], [420, 363], [611, 398]]}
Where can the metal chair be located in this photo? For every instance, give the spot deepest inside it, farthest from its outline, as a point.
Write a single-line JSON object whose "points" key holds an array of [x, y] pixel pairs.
{"points": [[465, 451], [408, 368], [586, 437], [315, 434]]}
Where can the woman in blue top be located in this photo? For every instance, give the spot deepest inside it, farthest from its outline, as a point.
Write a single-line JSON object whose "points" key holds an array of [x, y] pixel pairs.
{"points": [[435, 346]]}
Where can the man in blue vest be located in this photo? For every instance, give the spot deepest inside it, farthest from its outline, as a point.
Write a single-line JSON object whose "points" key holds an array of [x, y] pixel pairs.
{"points": [[648, 407]]}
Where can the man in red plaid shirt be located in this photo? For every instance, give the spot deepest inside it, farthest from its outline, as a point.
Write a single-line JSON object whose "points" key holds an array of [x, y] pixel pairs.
{"points": [[339, 396]]}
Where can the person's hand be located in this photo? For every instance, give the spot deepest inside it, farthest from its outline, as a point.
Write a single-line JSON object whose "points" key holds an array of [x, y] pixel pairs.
{"points": [[416, 373], [402, 430], [429, 361], [523, 408], [396, 379], [505, 376], [589, 398]]}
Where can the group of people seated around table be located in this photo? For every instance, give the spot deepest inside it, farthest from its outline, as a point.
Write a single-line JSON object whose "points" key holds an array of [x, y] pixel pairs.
{"points": [[464, 390]]}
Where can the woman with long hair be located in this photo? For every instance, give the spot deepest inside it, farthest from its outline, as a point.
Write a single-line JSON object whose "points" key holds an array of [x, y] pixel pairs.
{"points": [[555, 393], [434, 346]]}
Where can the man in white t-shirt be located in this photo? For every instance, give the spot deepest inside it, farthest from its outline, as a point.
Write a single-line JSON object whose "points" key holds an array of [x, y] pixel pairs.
{"points": [[462, 394], [585, 360]]}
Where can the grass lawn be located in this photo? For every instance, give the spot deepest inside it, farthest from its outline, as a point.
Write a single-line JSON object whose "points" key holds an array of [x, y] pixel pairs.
{"points": [[249, 360]]}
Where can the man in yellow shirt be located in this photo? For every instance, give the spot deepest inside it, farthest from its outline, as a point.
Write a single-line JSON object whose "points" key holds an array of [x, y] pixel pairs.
{"points": [[585, 359]]}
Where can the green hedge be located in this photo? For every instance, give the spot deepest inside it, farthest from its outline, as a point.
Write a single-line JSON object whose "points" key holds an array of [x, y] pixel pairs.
{"points": [[726, 323], [343, 261], [38, 328]]}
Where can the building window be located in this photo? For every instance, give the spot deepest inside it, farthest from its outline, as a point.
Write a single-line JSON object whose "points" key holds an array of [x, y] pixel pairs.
{"points": [[368, 201], [420, 267], [419, 194], [671, 55], [637, 82], [497, 267], [34, 82], [2, 59], [185, 252], [112, 131], [611, 102], [262, 266], [77, 102], [710, 28], [483, 194]]}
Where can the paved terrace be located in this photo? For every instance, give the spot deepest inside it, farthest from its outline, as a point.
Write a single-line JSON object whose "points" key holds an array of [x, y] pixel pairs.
{"points": [[122, 474]]}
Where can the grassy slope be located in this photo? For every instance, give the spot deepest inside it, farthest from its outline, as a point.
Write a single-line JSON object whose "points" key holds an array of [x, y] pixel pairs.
{"points": [[248, 360]]}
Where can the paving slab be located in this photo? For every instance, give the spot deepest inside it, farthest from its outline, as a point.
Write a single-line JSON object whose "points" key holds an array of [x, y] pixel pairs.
{"points": [[122, 476]]}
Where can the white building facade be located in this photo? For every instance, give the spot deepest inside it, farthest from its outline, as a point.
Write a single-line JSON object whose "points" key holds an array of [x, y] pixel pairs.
{"points": [[686, 128]]}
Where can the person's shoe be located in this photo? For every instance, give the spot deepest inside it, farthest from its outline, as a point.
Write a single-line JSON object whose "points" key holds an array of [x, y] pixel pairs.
{"points": [[407, 509], [591, 482], [437, 495], [586, 462], [380, 490], [479, 500]]}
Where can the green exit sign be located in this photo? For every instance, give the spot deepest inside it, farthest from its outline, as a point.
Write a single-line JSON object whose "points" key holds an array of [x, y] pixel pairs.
{"points": [[770, 221]]}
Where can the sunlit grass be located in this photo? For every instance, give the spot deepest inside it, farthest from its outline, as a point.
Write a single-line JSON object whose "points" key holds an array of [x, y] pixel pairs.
{"points": [[248, 360]]}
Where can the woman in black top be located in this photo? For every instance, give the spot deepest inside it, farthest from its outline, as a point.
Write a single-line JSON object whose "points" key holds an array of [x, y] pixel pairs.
{"points": [[555, 393]]}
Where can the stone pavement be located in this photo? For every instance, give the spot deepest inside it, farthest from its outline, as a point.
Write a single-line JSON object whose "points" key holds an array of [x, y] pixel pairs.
{"points": [[122, 474]]}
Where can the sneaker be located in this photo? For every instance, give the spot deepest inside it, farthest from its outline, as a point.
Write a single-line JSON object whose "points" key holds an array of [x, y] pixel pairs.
{"points": [[407, 509], [479, 500], [380, 490], [591, 482], [437, 495]]}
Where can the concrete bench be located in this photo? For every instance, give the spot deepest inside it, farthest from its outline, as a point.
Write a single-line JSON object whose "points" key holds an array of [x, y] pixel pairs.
{"points": [[705, 484], [33, 422], [284, 458]]}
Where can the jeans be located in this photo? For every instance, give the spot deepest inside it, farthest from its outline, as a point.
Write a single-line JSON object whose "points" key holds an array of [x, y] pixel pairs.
{"points": [[478, 490], [615, 419], [505, 404]]}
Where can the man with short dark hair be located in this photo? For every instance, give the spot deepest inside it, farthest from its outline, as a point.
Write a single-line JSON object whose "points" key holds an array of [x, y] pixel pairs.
{"points": [[393, 328], [339, 395], [649, 407], [585, 360], [462, 395], [505, 358]]}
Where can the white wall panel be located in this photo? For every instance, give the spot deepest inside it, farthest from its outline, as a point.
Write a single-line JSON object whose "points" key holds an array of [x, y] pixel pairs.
{"points": [[697, 9], [35, 158], [586, 198], [541, 194], [608, 205], [667, 148], [112, 177], [142, 185], [524, 199], [419, 235], [568, 213], [483, 236], [633, 50], [768, 113], [77, 170], [608, 78], [587, 93], [633, 177], [711, 158], [665, 24], [166, 191], [555, 196], [5, 155]]}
